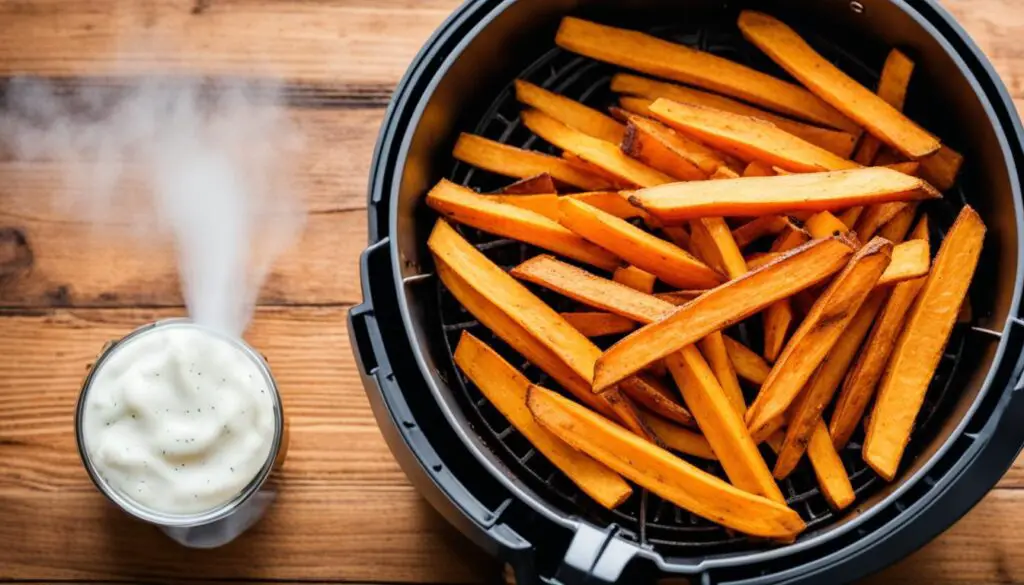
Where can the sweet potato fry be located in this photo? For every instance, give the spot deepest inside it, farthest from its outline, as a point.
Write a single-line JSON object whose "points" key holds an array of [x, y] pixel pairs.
{"points": [[722, 425], [941, 168], [760, 259], [635, 278], [539, 184], [665, 150], [919, 347], [717, 356], [910, 167], [678, 236], [828, 468], [875, 216], [749, 139], [892, 87], [703, 247], [766, 225], [851, 216], [805, 416], [895, 230], [824, 223], [679, 297], [668, 262], [654, 56], [593, 150], [648, 392], [515, 162], [828, 82], [749, 366], [859, 385], [679, 439], [779, 316], [486, 213], [506, 388], [754, 196], [506, 306], [758, 169], [614, 181], [597, 324], [721, 307], [570, 112], [910, 260], [546, 205], [816, 336], [834, 141], [659, 471], [611, 202], [727, 252]]}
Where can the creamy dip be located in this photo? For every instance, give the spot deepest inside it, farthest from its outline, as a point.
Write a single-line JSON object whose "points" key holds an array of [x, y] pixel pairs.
{"points": [[178, 419]]}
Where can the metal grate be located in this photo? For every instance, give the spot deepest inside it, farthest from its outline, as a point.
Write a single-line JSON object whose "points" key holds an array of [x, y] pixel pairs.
{"points": [[646, 518]]}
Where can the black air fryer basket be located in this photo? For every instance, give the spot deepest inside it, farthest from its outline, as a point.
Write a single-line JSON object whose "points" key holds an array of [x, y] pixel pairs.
{"points": [[488, 481]]}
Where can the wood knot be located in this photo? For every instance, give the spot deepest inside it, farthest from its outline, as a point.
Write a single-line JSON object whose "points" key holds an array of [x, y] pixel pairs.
{"points": [[15, 252]]}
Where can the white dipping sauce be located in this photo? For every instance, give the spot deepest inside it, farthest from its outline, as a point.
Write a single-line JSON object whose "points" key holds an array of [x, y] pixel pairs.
{"points": [[178, 419]]}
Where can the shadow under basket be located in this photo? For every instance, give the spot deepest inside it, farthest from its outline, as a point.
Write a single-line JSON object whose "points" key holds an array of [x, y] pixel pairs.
{"points": [[486, 479]]}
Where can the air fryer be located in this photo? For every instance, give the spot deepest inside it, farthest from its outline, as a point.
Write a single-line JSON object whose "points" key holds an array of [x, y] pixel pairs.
{"points": [[489, 482]]}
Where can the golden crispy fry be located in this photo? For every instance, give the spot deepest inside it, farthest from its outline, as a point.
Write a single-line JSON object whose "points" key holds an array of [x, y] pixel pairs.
{"points": [[805, 416], [635, 278], [828, 82], [536, 185], [895, 230], [596, 324], [593, 150], [664, 149], [834, 141], [654, 56], [614, 181], [910, 260], [611, 202], [721, 307], [824, 224], [570, 112], [679, 439], [723, 246], [816, 336], [779, 316], [911, 167], [714, 350], [859, 385], [669, 263], [515, 162], [649, 393], [659, 471], [749, 139], [749, 366], [919, 347], [941, 168], [754, 196], [766, 225], [722, 425], [488, 213], [875, 216], [851, 216], [546, 204], [828, 467], [892, 87], [506, 388]]}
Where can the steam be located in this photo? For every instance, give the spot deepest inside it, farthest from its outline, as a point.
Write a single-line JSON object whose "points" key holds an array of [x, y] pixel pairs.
{"points": [[207, 164]]}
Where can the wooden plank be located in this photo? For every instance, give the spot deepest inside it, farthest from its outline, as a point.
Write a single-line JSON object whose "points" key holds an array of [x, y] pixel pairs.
{"points": [[346, 510], [996, 26], [354, 48]]}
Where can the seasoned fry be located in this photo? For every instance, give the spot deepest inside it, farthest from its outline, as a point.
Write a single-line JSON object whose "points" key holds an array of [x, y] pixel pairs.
{"points": [[875, 216], [668, 262], [828, 82], [824, 223], [514, 310], [892, 87], [941, 168], [654, 56], [535, 185], [766, 225], [679, 439], [665, 150], [834, 141], [805, 416], [910, 260], [721, 307], [859, 385], [635, 278], [611, 202], [546, 205], [659, 471], [749, 366], [815, 337], [515, 162], [506, 388], [919, 347], [648, 392], [570, 112], [486, 213], [597, 324], [595, 151], [749, 139], [722, 425], [753, 196]]}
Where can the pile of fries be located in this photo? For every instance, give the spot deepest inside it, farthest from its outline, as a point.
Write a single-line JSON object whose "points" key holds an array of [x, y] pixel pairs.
{"points": [[682, 212]]}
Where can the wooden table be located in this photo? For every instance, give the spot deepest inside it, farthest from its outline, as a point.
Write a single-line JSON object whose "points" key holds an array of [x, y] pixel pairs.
{"points": [[346, 512]]}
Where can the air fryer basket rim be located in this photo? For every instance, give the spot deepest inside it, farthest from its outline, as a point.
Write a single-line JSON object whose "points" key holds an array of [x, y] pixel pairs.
{"points": [[469, 437]]}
